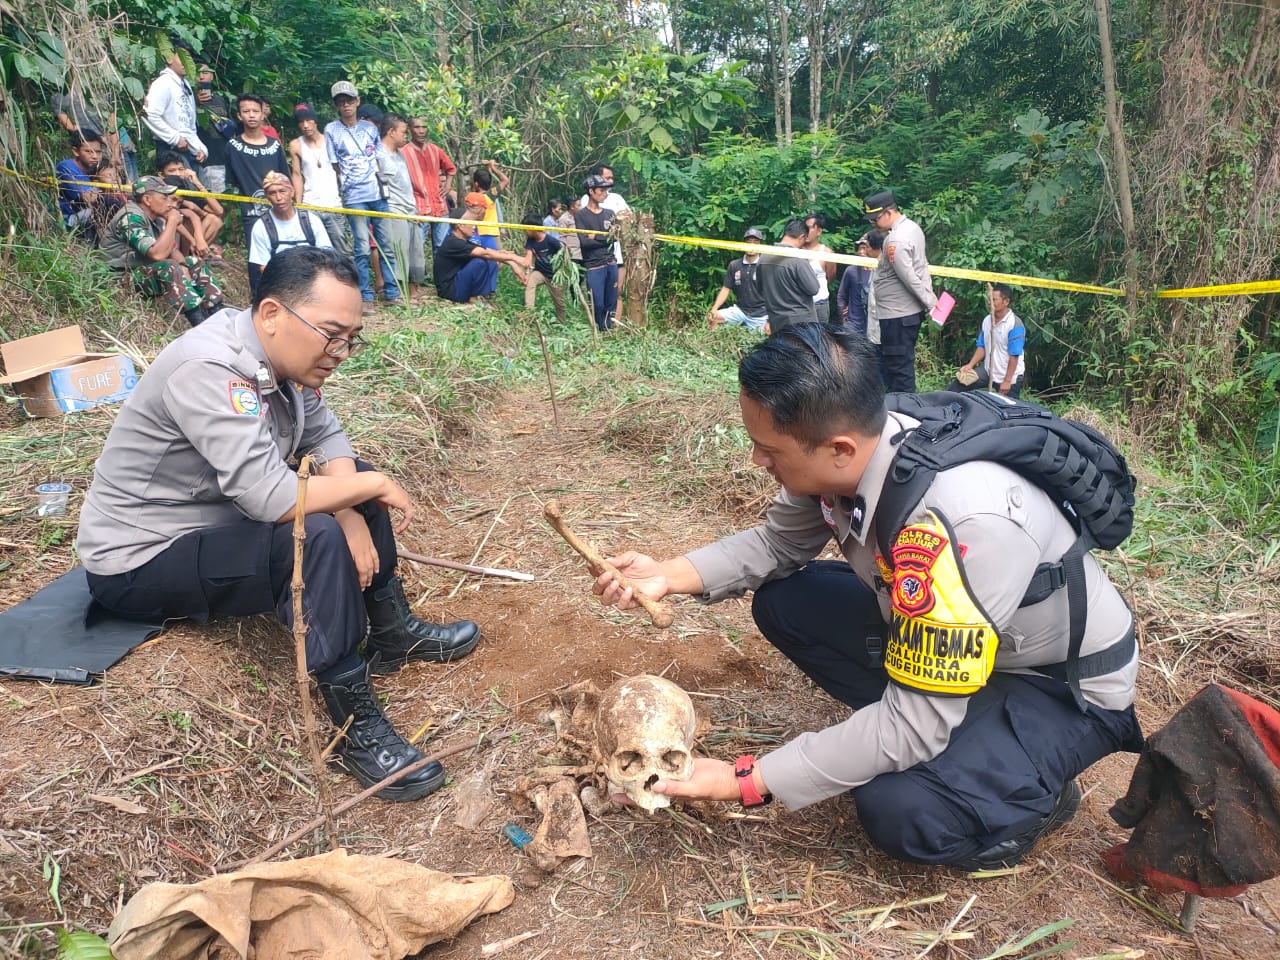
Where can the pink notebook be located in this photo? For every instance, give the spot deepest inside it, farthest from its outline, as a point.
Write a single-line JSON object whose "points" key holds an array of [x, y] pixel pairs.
{"points": [[942, 309]]}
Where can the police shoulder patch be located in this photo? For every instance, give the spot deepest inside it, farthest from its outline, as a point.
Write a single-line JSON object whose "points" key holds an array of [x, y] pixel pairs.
{"points": [[941, 641], [243, 396]]}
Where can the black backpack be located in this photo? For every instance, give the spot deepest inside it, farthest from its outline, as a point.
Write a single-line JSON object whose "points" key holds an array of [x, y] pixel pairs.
{"points": [[1075, 465], [273, 234]]}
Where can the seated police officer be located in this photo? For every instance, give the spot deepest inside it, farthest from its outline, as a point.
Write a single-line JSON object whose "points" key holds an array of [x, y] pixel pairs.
{"points": [[959, 752], [190, 513]]}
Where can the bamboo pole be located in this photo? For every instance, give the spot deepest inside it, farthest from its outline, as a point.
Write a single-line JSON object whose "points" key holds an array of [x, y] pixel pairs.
{"points": [[300, 654]]}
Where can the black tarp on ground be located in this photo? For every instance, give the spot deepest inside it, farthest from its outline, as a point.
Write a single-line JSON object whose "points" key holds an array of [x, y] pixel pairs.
{"points": [[62, 635]]}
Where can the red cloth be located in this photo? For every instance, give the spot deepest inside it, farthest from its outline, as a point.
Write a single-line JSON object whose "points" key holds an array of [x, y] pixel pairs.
{"points": [[425, 166], [1204, 801]]}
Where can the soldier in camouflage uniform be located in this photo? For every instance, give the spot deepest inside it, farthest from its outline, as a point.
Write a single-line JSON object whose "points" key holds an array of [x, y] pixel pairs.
{"points": [[143, 238]]}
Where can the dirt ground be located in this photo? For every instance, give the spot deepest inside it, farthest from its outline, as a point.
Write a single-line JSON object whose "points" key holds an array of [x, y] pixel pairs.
{"points": [[189, 756]]}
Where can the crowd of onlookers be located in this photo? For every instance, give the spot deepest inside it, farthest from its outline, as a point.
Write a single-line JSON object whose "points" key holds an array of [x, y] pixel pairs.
{"points": [[379, 163], [382, 168]]}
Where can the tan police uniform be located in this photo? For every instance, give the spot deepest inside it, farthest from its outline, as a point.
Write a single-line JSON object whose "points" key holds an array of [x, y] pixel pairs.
{"points": [[951, 591]]}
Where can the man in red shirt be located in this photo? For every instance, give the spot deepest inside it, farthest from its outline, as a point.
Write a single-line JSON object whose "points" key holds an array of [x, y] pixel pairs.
{"points": [[427, 162]]}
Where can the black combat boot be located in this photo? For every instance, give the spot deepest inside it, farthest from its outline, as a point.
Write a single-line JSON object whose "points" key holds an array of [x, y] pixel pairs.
{"points": [[196, 316], [396, 636], [372, 749], [1011, 851]]}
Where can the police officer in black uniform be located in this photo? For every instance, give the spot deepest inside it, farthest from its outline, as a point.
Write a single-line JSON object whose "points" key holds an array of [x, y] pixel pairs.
{"points": [[191, 507]]}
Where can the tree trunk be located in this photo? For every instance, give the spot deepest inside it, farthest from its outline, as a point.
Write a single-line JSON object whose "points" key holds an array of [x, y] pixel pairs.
{"points": [[1120, 161], [774, 55], [817, 18], [786, 72]]}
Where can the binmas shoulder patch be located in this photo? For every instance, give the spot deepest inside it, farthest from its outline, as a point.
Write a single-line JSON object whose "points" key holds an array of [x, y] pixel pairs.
{"points": [[243, 397], [941, 641]]}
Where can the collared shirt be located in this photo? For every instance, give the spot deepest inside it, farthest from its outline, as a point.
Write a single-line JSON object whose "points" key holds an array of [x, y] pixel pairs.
{"points": [[170, 108], [203, 439], [1005, 341], [1006, 527], [354, 149], [903, 283], [426, 163]]}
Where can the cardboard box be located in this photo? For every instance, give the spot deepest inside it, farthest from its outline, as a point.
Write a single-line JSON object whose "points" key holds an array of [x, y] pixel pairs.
{"points": [[53, 374]]}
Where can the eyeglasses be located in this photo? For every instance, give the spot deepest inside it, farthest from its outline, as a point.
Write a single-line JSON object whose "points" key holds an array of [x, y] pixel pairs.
{"points": [[336, 347]]}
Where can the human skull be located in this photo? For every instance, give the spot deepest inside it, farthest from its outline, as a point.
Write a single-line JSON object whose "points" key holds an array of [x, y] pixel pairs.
{"points": [[644, 729]]}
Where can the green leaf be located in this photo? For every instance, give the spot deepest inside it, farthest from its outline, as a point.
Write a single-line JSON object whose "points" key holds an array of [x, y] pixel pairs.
{"points": [[26, 69], [661, 139], [82, 945], [1006, 160], [133, 86]]}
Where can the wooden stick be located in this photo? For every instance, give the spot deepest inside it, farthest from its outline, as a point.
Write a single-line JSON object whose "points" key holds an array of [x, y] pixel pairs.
{"points": [[404, 554], [350, 802], [300, 654], [659, 614]]}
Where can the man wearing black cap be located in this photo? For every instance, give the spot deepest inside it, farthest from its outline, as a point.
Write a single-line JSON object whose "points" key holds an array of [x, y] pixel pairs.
{"points": [[742, 279], [904, 289]]}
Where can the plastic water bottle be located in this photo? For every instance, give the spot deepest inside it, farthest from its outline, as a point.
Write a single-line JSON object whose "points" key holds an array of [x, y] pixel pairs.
{"points": [[519, 839]]}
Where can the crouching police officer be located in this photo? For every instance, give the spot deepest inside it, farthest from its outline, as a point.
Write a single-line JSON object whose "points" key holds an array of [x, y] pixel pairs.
{"points": [[966, 761], [191, 507]]}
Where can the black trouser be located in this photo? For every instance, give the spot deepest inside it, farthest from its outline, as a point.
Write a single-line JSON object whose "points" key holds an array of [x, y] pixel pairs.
{"points": [[1020, 742], [243, 568], [984, 381], [898, 337]]}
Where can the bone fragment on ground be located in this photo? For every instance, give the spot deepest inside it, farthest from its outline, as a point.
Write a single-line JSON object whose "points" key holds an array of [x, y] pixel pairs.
{"points": [[645, 729]]}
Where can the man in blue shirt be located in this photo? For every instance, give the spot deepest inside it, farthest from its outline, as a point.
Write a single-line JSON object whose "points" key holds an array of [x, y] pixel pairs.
{"points": [[85, 209], [352, 145]]}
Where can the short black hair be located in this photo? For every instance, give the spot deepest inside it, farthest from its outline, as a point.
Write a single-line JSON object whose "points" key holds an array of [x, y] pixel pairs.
{"points": [[290, 274], [795, 228], [79, 138], [1004, 290], [531, 219], [482, 178], [166, 157], [816, 379], [597, 170], [248, 98], [389, 120], [875, 239], [818, 220]]}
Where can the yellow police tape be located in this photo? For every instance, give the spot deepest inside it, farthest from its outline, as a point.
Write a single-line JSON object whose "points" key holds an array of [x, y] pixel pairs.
{"points": [[737, 246]]}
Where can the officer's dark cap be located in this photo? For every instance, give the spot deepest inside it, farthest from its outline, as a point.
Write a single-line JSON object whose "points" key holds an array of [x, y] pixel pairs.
{"points": [[877, 204]]}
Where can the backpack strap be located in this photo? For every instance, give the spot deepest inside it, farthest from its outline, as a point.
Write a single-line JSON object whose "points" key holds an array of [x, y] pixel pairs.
{"points": [[273, 235], [1077, 611], [308, 230]]}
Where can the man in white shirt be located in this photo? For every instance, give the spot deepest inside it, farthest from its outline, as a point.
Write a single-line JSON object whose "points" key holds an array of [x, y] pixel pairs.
{"points": [[284, 225], [1001, 343], [313, 177], [823, 271], [169, 110]]}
